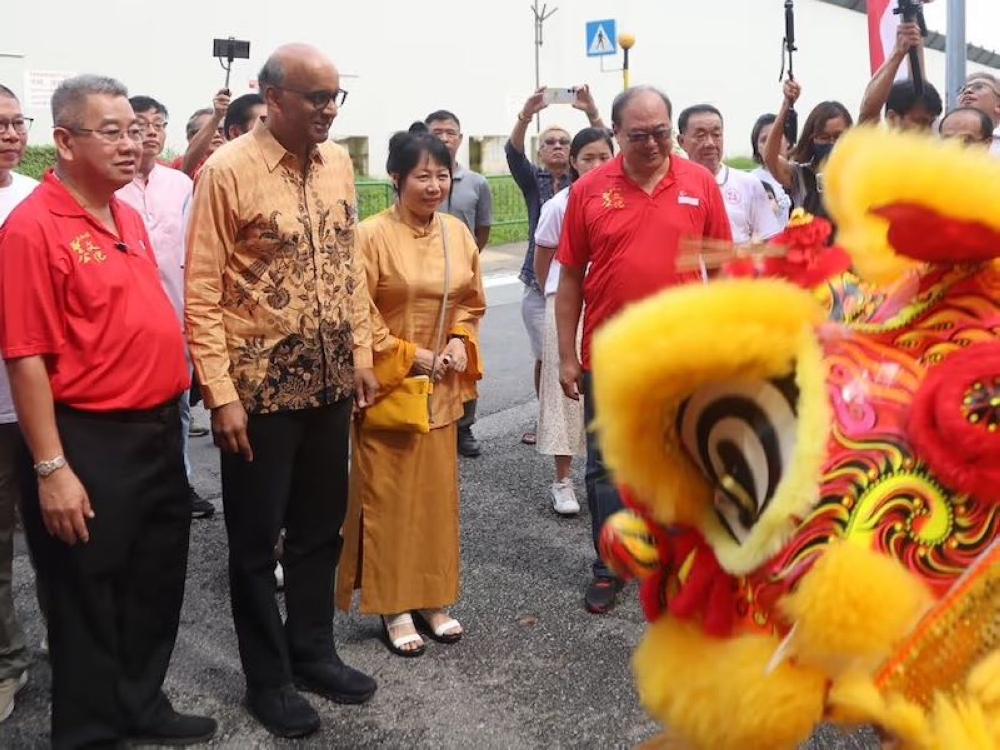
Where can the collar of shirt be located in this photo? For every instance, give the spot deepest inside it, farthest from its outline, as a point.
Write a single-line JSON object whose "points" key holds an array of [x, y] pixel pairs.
{"points": [[273, 152], [616, 168], [61, 202], [458, 172]]}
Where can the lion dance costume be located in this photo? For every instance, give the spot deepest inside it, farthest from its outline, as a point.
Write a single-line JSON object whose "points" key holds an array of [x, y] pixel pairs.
{"points": [[813, 505]]}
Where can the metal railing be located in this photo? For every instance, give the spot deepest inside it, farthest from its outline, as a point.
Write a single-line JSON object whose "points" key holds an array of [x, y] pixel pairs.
{"points": [[510, 217]]}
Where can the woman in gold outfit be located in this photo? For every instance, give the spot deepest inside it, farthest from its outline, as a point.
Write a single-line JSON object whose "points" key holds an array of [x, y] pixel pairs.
{"points": [[401, 537]]}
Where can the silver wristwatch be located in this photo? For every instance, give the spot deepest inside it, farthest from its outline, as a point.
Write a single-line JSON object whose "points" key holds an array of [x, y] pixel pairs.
{"points": [[47, 468]]}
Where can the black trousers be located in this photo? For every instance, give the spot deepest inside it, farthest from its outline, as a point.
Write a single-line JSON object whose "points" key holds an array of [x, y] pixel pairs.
{"points": [[114, 602], [297, 480]]}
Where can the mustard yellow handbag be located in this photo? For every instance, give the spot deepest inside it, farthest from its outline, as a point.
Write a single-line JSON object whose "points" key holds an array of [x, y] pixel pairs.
{"points": [[407, 407]]}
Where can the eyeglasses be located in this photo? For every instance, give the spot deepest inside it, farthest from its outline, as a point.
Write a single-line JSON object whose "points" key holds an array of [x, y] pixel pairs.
{"points": [[111, 135], [977, 87], [320, 99], [156, 127], [21, 125], [556, 142], [702, 136], [661, 135]]}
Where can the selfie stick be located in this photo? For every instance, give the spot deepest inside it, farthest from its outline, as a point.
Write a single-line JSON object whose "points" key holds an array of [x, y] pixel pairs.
{"points": [[627, 41], [230, 49]]}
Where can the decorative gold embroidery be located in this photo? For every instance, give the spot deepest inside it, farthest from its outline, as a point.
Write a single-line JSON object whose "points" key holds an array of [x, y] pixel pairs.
{"points": [[613, 198], [86, 250]]}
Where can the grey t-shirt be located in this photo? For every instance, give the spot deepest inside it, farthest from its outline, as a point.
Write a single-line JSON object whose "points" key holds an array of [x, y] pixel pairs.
{"points": [[471, 199]]}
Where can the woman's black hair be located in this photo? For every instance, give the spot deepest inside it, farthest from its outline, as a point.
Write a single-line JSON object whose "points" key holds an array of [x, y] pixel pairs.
{"points": [[803, 151], [769, 189], [762, 122], [583, 139], [408, 147]]}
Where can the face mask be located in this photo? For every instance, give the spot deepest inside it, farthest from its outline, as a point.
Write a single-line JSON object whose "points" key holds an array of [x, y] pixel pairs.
{"points": [[821, 151]]}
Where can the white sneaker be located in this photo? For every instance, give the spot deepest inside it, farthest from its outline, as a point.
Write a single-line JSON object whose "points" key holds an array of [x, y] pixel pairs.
{"points": [[564, 498], [8, 689], [279, 576]]}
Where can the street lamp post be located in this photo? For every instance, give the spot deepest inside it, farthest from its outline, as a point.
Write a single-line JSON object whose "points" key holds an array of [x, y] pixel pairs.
{"points": [[626, 42], [541, 16]]}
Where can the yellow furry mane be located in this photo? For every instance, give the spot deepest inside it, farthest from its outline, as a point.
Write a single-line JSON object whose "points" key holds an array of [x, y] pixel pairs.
{"points": [[655, 354], [873, 167]]}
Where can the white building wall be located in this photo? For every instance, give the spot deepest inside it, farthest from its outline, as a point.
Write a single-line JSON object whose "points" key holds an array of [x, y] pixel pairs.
{"points": [[402, 59]]}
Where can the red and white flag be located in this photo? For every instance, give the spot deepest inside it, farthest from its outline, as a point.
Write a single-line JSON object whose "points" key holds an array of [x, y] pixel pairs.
{"points": [[882, 25]]}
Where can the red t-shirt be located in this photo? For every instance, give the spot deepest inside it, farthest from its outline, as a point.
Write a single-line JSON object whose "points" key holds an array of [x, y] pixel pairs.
{"points": [[90, 302], [631, 239]]}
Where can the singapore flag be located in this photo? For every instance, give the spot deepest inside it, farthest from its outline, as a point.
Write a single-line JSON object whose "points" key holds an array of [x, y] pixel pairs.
{"points": [[882, 25]]}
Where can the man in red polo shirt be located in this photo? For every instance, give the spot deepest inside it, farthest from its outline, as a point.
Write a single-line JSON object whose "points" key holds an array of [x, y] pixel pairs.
{"points": [[625, 221], [96, 365]]}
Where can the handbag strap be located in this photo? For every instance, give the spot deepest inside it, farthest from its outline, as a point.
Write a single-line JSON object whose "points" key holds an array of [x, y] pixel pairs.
{"points": [[447, 287], [444, 302]]}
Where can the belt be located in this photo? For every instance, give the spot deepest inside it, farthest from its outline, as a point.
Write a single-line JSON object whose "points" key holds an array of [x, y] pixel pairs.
{"points": [[161, 413]]}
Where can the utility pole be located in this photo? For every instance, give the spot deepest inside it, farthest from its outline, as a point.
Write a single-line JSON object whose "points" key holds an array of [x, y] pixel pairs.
{"points": [[541, 16], [955, 50]]}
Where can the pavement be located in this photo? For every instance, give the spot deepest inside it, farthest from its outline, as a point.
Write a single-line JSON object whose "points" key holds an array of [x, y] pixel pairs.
{"points": [[534, 669]]}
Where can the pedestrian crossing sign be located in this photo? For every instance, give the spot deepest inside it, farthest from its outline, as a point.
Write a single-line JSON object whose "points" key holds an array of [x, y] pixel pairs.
{"points": [[602, 38]]}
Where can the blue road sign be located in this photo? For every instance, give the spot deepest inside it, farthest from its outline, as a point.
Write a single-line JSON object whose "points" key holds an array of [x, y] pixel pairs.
{"points": [[602, 38]]}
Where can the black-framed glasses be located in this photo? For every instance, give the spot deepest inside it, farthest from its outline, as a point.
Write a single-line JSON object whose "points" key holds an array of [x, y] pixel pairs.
{"points": [[156, 127], [661, 135], [111, 135], [21, 125], [320, 99]]}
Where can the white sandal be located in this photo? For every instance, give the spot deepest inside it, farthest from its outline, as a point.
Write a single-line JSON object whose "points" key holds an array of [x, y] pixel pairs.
{"points": [[440, 633], [395, 645]]}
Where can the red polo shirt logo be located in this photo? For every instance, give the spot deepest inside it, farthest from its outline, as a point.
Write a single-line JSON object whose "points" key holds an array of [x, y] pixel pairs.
{"points": [[613, 198], [86, 251]]}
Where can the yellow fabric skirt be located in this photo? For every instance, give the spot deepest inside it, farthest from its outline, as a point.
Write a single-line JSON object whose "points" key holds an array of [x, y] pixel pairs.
{"points": [[401, 537]]}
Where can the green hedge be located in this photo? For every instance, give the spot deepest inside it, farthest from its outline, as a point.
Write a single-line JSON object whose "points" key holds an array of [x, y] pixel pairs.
{"points": [[36, 160], [509, 213]]}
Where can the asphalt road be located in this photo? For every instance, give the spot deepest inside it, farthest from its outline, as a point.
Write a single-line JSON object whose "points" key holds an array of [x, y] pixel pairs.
{"points": [[534, 670]]}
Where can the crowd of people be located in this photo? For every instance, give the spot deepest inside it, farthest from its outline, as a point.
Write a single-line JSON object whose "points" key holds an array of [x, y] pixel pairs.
{"points": [[339, 360]]}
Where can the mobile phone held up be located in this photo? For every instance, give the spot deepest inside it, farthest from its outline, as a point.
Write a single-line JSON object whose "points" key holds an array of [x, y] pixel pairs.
{"points": [[553, 95]]}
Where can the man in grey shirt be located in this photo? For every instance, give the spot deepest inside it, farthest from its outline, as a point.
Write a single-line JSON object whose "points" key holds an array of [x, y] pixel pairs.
{"points": [[472, 202]]}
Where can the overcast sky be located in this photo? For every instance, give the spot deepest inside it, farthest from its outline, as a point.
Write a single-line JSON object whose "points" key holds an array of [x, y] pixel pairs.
{"points": [[982, 21]]}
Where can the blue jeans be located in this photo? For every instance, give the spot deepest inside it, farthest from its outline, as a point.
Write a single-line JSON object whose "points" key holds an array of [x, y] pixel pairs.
{"points": [[602, 495]]}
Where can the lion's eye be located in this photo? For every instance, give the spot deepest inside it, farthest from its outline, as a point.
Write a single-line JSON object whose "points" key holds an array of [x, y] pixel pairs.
{"points": [[741, 434]]}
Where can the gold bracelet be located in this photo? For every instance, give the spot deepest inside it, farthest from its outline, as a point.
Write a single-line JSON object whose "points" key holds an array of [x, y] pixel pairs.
{"points": [[522, 118]]}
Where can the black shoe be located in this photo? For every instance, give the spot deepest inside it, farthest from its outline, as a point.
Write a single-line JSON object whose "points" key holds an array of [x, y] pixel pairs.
{"points": [[283, 711], [468, 446], [175, 729], [334, 681], [600, 595], [200, 507]]}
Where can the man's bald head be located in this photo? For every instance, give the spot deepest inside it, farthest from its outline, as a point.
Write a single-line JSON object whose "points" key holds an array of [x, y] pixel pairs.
{"points": [[301, 88], [292, 65]]}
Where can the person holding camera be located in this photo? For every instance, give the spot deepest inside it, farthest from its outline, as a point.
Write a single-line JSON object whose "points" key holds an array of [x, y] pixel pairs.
{"points": [[538, 183]]}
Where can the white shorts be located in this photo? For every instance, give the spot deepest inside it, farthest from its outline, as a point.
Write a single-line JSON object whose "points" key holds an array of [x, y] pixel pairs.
{"points": [[533, 314]]}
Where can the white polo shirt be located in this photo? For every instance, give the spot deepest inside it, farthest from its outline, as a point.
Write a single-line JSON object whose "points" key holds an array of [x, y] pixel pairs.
{"points": [[750, 213]]}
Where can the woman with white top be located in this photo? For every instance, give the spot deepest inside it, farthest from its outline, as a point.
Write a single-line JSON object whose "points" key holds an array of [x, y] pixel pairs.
{"points": [[560, 421], [758, 137]]}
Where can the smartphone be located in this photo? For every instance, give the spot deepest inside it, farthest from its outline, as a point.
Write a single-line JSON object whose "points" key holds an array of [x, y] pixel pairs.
{"points": [[559, 95]]}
